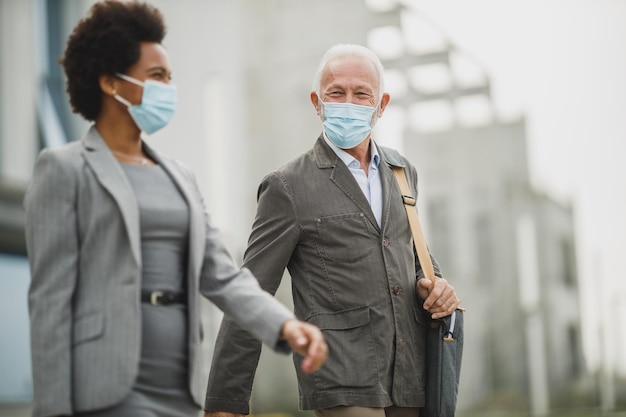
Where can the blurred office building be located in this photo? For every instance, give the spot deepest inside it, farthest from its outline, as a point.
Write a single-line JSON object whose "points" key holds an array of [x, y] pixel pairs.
{"points": [[508, 249], [244, 70]]}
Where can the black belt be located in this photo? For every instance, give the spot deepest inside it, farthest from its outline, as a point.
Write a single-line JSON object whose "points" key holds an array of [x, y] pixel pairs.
{"points": [[163, 298]]}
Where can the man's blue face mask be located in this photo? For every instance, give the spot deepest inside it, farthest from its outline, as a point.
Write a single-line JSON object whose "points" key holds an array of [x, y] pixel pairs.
{"points": [[158, 103], [347, 124]]}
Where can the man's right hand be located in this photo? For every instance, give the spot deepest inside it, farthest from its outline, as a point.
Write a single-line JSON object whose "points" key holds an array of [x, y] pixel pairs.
{"points": [[221, 414]]}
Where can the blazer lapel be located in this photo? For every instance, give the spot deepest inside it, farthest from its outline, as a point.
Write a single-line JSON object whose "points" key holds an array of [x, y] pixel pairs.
{"points": [[110, 175], [197, 219], [343, 178], [389, 191]]}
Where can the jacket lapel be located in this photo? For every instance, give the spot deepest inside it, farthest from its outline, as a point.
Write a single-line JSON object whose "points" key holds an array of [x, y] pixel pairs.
{"points": [[197, 231], [343, 178], [110, 175]]}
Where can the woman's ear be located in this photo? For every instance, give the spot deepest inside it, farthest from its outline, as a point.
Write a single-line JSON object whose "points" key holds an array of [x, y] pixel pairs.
{"points": [[108, 84]]}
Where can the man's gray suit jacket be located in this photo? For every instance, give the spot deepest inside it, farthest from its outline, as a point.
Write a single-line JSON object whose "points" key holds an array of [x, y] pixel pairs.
{"points": [[350, 276]]}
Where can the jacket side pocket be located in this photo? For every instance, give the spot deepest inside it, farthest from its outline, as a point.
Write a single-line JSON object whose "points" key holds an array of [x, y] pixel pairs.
{"points": [[352, 351], [87, 327]]}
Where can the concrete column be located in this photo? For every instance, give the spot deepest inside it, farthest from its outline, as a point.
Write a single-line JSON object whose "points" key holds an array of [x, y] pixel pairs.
{"points": [[530, 297], [18, 89]]}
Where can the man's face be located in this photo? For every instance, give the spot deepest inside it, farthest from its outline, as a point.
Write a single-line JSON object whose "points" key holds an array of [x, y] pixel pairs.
{"points": [[350, 79]]}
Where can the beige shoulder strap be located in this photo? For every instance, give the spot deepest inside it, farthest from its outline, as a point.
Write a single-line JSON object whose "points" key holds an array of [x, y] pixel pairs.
{"points": [[416, 230], [414, 223]]}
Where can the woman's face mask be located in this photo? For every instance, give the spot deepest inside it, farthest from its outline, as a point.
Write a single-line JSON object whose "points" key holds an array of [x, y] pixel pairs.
{"points": [[158, 103], [347, 124]]}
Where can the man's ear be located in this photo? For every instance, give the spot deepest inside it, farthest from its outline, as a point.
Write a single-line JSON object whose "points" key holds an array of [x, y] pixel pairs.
{"points": [[315, 100], [383, 104]]}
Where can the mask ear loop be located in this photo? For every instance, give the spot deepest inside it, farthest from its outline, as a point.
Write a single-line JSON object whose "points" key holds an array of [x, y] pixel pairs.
{"points": [[375, 114], [130, 80], [320, 104], [122, 100]]}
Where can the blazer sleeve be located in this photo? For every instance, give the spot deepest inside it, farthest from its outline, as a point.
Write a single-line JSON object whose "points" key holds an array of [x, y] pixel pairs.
{"points": [[274, 236], [237, 293], [52, 244]]}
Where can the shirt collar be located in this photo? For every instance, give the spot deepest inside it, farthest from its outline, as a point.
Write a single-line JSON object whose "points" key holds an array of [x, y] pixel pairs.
{"points": [[349, 159]]}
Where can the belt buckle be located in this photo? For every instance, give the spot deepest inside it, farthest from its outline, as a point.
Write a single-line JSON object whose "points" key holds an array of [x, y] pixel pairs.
{"points": [[154, 298]]}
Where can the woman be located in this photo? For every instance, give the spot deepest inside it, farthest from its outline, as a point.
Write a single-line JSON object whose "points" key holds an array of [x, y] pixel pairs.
{"points": [[120, 247]]}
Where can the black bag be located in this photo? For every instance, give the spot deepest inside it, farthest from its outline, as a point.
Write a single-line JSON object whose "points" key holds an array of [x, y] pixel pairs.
{"points": [[444, 351]]}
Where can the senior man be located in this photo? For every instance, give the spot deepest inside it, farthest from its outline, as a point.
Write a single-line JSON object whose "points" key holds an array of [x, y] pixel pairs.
{"points": [[335, 218]]}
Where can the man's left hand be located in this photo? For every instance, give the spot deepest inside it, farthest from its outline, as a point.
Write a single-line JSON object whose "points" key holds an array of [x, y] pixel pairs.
{"points": [[308, 341], [440, 300]]}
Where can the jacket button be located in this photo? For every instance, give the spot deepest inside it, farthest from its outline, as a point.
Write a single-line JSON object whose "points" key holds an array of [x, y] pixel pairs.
{"points": [[397, 290], [385, 242]]}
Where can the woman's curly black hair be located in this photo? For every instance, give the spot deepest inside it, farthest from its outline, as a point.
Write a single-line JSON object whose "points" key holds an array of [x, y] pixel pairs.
{"points": [[106, 41]]}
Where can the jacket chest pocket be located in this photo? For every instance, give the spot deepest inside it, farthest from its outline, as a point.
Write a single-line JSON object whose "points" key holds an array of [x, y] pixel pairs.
{"points": [[345, 237]]}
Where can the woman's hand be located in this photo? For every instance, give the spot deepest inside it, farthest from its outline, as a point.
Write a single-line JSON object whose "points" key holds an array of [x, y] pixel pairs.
{"points": [[308, 341]]}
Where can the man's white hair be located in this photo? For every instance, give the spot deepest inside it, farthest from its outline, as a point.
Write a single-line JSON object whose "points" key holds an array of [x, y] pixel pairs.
{"points": [[342, 50]]}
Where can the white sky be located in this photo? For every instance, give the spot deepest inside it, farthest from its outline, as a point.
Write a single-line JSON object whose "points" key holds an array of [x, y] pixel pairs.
{"points": [[562, 64]]}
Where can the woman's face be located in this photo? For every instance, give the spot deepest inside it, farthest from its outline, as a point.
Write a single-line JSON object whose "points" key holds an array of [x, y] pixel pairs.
{"points": [[153, 64]]}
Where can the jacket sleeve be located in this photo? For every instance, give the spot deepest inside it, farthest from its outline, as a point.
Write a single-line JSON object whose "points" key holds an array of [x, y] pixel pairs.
{"points": [[274, 236], [52, 244]]}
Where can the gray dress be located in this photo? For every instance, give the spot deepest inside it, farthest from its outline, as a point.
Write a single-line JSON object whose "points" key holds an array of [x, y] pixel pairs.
{"points": [[162, 385]]}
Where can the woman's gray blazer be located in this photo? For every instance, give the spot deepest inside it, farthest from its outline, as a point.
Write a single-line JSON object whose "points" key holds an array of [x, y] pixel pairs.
{"points": [[83, 240]]}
